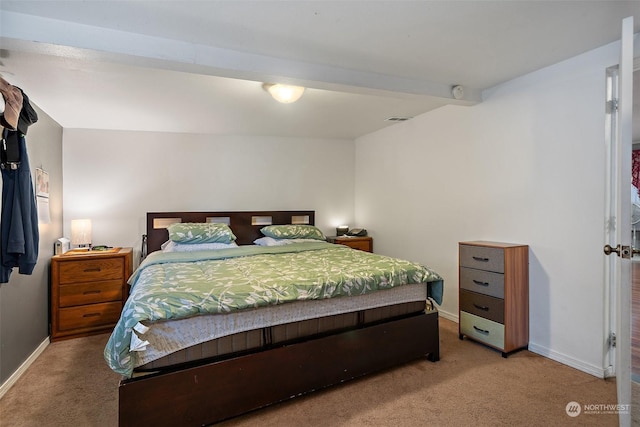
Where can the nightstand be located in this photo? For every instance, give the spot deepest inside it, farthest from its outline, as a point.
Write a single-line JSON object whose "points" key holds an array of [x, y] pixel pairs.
{"points": [[88, 291], [362, 243]]}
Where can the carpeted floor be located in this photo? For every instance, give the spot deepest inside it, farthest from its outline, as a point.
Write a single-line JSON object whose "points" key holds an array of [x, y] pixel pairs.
{"points": [[70, 385]]}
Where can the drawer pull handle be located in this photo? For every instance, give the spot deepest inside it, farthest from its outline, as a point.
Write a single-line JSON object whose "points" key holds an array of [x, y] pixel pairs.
{"points": [[477, 258], [88, 270], [98, 314], [96, 291], [477, 282], [482, 331], [481, 307]]}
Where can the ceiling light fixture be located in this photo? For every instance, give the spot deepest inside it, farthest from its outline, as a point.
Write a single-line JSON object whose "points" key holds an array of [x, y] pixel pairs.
{"points": [[284, 93]]}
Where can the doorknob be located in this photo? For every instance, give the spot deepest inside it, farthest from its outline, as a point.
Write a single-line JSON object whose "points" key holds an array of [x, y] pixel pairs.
{"points": [[621, 251], [608, 250]]}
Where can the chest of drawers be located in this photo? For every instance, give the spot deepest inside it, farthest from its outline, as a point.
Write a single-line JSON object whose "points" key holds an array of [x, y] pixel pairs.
{"points": [[88, 291], [494, 294]]}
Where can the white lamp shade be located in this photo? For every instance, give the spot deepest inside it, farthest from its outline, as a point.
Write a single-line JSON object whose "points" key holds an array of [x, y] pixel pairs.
{"points": [[81, 232], [285, 93]]}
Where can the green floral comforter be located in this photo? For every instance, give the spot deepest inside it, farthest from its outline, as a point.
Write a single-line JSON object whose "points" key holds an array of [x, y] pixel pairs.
{"points": [[185, 284]]}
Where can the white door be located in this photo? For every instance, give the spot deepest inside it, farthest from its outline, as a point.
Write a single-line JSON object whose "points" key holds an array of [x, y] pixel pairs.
{"points": [[620, 91]]}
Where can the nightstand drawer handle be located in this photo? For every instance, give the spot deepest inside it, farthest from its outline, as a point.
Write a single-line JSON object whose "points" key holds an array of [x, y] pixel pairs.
{"points": [[482, 331], [98, 314], [481, 307], [95, 291], [477, 258], [87, 270], [477, 282]]}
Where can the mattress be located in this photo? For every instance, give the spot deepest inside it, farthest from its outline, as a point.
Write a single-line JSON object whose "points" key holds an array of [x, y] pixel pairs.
{"points": [[185, 340], [179, 300]]}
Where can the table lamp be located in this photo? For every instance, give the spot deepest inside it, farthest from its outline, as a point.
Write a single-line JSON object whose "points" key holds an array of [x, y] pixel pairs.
{"points": [[81, 233]]}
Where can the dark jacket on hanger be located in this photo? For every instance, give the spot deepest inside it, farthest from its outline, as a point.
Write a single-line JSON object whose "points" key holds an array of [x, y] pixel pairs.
{"points": [[19, 235]]}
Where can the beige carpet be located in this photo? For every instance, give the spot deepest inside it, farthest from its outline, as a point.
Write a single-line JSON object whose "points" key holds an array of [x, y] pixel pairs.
{"points": [[70, 385]]}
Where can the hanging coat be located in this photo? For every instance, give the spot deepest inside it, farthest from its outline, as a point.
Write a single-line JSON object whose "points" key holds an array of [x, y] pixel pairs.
{"points": [[19, 235]]}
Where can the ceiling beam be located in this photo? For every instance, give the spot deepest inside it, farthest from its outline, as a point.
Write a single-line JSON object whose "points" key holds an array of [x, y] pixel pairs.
{"points": [[55, 37]]}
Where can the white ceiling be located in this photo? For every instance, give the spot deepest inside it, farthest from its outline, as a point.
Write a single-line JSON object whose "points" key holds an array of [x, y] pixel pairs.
{"points": [[198, 66]]}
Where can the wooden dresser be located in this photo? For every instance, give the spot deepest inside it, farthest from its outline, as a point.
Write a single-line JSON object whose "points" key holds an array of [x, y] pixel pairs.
{"points": [[88, 291], [494, 294], [362, 243]]}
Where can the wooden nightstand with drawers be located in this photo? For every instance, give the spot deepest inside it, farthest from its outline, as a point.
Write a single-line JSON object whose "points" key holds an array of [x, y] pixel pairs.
{"points": [[364, 243], [88, 291], [494, 294]]}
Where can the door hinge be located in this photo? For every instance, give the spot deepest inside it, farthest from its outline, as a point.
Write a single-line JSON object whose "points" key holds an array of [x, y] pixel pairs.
{"points": [[612, 339], [612, 105]]}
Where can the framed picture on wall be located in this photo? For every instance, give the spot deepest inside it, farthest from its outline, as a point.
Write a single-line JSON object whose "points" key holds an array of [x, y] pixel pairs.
{"points": [[42, 183]]}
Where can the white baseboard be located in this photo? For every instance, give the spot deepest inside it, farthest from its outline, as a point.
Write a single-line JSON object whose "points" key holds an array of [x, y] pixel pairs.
{"points": [[4, 387], [596, 371], [449, 316], [580, 365]]}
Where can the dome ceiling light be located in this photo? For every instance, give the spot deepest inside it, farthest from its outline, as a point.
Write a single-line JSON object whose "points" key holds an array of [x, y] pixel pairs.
{"points": [[284, 93]]}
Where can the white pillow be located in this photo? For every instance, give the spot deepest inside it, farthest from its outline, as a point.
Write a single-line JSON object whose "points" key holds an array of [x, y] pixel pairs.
{"points": [[170, 246], [270, 241]]}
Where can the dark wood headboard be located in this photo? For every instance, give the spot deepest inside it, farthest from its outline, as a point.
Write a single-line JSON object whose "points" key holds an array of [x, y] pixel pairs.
{"points": [[245, 225]]}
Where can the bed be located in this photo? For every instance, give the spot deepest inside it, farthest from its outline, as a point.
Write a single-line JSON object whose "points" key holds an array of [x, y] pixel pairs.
{"points": [[242, 352]]}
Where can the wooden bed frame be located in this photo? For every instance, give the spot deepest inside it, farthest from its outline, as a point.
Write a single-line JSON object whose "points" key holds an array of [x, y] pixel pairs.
{"points": [[221, 389]]}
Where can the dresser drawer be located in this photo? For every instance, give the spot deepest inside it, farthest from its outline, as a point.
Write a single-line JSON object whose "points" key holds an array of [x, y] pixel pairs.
{"points": [[482, 329], [363, 245], [482, 305], [89, 270], [482, 258], [483, 282], [89, 316], [90, 293]]}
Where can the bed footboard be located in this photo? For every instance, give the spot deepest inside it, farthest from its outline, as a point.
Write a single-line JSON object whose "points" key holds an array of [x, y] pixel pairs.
{"points": [[217, 391]]}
